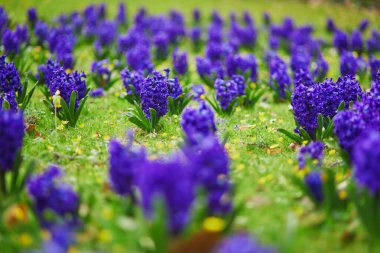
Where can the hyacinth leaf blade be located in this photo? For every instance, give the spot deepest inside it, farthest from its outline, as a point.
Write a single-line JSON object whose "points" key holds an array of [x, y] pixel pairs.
{"points": [[198, 213], [158, 230], [305, 135], [137, 117], [368, 206], [79, 109], [24, 97], [331, 198], [253, 97], [5, 105], [176, 105], [19, 183], [341, 106], [290, 135], [319, 129], [153, 119], [133, 96]]}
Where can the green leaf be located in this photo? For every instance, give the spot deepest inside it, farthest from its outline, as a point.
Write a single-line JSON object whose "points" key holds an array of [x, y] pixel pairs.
{"points": [[341, 106], [319, 127], [79, 110], [305, 134], [290, 135], [73, 99]]}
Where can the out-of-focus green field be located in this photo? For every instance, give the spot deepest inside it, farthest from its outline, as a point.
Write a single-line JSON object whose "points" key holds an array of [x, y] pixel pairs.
{"points": [[261, 159]]}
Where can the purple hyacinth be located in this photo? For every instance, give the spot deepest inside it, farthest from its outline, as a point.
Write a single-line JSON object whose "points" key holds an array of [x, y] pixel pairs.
{"points": [[161, 45], [121, 16], [124, 161], [3, 19], [241, 84], [330, 25], [226, 92], [209, 164], [313, 151], [32, 16], [171, 182], [106, 33], [102, 73], [41, 31], [154, 94], [242, 243], [180, 62], [313, 181], [139, 58], [341, 41], [46, 71], [357, 43], [300, 59], [50, 194], [363, 25], [10, 42], [175, 88], [278, 75], [198, 122], [321, 68], [322, 98], [134, 78], [196, 15], [22, 34], [374, 64], [348, 126], [10, 83], [197, 90], [11, 137], [366, 158], [196, 35], [66, 84], [99, 92], [239, 64]]}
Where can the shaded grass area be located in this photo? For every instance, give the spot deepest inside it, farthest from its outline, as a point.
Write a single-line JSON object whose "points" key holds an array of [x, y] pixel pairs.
{"points": [[261, 157]]}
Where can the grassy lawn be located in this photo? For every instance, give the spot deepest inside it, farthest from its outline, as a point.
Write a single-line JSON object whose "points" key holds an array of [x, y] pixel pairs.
{"points": [[261, 158]]}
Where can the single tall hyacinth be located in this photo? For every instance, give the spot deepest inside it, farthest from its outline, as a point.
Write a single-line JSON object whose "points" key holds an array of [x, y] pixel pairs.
{"points": [[313, 181], [175, 88], [198, 122], [279, 78], [50, 194], [11, 138], [169, 181], [180, 62], [348, 64], [226, 92], [348, 126], [154, 94], [366, 159], [133, 78], [210, 167], [124, 162], [10, 83], [242, 243], [313, 151]]}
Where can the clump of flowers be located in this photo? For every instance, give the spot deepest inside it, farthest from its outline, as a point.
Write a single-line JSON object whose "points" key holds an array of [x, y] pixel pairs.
{"points": [[154, 102], [226, 96], [124, 161], [101, 72], [198, 122], [245, 65], [314, 106], [132, 81], [313, 151], [279, 79], [50, 194], [180, 64], [366, 156], [167, 183], [70, 91], [11, 141]]}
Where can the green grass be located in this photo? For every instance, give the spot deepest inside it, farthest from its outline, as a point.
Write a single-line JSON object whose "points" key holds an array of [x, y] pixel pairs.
{"points": [[274, 211]]}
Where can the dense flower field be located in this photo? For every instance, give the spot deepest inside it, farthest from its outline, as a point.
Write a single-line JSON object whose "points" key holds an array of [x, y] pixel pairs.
{"points": [[128, 129]]}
